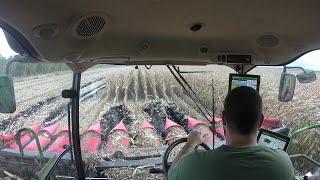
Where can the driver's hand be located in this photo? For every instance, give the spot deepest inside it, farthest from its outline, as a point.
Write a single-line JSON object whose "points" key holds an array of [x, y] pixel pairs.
{"points": [[195, 138]]}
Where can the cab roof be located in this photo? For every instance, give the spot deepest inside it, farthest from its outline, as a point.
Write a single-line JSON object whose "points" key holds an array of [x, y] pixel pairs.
{"points": [[270, 32]]}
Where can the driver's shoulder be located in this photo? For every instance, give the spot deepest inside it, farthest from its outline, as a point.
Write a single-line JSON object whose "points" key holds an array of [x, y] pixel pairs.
{"points": [[273, 153], [197, 160], [193, 160], [200, 155]]}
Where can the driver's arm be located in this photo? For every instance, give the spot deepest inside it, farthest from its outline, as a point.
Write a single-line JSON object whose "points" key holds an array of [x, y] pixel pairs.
{"points": [[194, 139]]}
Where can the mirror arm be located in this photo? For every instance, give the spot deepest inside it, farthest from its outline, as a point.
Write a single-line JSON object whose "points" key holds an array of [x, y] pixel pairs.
{"points": [[8, 68], [295, 67], [22, 59]]}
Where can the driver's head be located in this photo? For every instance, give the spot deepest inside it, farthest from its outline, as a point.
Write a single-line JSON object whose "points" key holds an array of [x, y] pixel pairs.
{"points": [[243, 111]]}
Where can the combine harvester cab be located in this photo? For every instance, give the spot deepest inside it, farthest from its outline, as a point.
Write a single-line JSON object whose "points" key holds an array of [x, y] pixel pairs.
{"points": [[176, 53]]}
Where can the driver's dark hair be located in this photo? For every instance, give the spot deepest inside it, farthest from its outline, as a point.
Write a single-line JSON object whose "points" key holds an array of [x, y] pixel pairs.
{"points": [[242, 110]]}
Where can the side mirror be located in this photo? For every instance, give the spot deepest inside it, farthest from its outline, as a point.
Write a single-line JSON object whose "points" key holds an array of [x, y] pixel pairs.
{"points": [[7, 97], [306, 77], [287, 87]]}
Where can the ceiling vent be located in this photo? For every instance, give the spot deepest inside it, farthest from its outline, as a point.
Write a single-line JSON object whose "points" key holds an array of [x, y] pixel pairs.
{"points": [[90, 26]]}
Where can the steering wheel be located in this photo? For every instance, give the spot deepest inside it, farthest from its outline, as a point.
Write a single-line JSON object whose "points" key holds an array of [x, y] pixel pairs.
{"points": [[166, 154]]}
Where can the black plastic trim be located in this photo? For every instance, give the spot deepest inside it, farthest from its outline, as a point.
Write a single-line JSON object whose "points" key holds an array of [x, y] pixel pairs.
{"points": [[75, 126]]}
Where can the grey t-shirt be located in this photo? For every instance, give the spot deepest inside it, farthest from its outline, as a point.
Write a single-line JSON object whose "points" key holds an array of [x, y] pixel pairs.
{"points": [[230, 163]]}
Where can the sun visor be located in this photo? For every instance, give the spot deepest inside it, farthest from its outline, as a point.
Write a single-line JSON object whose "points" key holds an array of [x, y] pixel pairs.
{"points": [[18, 42], [14, 45]]}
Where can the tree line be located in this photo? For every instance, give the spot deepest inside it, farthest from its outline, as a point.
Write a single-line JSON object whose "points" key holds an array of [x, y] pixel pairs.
{"points": [[18, 69]]}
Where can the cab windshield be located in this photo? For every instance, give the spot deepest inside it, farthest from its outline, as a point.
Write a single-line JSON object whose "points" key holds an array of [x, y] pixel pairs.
{"points": [[130, 114]]}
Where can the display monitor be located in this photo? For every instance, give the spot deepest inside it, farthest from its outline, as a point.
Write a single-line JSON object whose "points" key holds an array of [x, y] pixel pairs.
{"points": [[273, 140], [237, 80]]}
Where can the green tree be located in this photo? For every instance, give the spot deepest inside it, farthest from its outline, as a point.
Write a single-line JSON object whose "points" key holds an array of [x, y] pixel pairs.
{"points": [[30, 69]]}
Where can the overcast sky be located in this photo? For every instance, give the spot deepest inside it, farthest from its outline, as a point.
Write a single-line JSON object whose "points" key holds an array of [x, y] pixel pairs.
{"points": [[5, 50], [309, 61]]}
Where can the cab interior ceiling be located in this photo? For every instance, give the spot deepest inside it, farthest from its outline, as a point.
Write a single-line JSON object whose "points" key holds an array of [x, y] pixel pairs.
{"points": [[149, 32]]}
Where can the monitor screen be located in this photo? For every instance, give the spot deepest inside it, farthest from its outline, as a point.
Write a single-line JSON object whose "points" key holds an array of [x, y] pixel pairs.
{"points": [[273, 140], [237, 80]]}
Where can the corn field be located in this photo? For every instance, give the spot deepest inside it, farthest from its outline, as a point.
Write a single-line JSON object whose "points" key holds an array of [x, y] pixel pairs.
{"points": [[135, 87]]}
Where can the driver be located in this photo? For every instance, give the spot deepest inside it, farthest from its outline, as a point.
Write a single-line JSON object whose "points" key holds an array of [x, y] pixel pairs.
{"points": [[241, 157]]}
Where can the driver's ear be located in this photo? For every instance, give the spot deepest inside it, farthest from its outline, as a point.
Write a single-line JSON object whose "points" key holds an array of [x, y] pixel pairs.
{"points": [[224, 122], [261, 120]]}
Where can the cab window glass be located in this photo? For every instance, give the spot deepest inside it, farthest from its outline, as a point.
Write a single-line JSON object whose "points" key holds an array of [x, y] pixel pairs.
{"points": [[39, 109], [130, 114], [301, 112]]}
